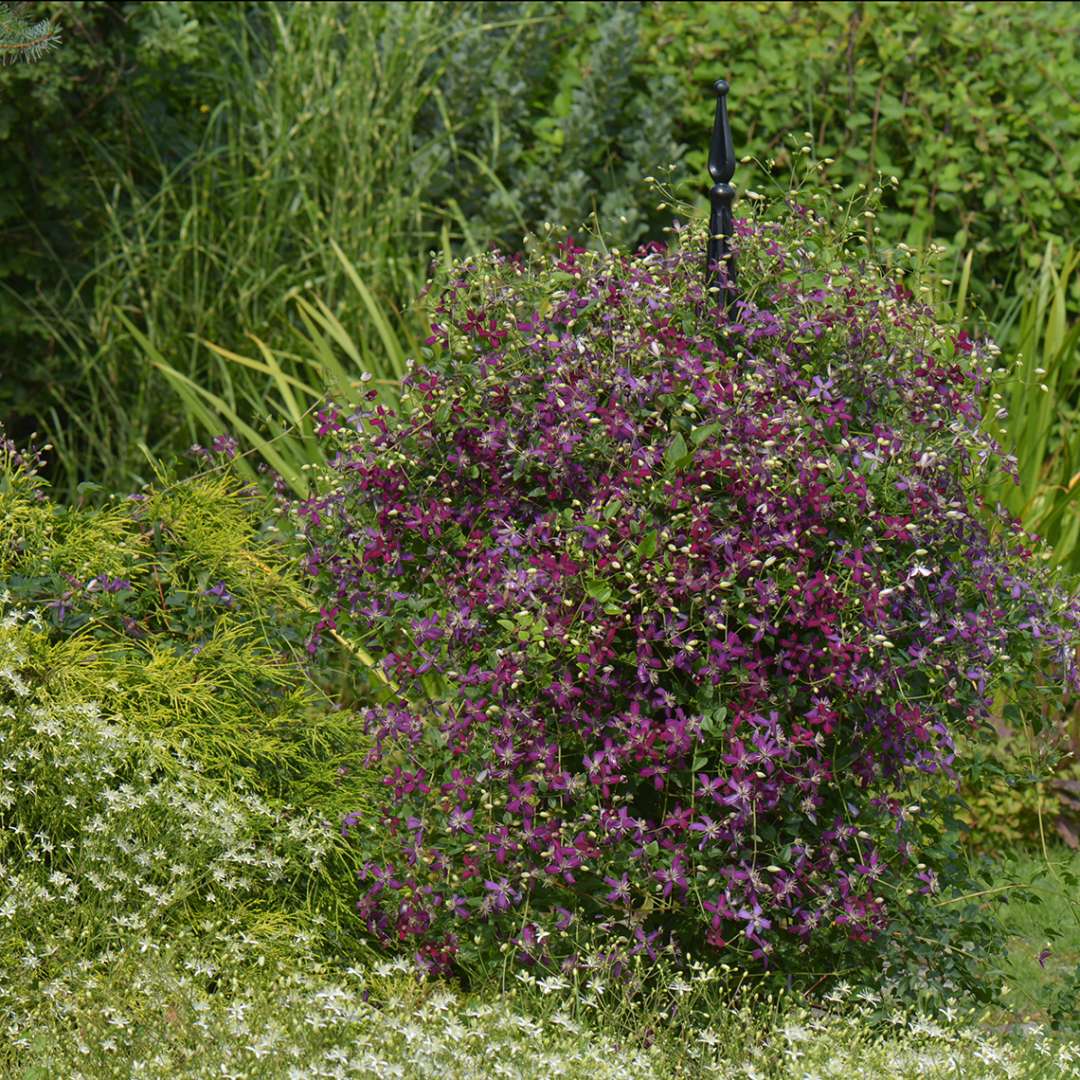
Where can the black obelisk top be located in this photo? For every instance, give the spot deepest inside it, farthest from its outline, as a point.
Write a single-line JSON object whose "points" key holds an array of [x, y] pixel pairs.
{"points": [[720, 266]]}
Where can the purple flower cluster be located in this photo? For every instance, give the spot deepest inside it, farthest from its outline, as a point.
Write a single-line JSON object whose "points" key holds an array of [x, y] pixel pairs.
{"points": [[686, 614], [223, 445]]}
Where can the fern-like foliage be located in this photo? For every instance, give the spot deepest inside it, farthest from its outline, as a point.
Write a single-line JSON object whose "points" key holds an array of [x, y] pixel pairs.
{"points": [[21, 39]]}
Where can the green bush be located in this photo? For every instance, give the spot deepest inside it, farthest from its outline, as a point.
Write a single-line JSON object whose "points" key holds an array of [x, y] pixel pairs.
{"points": [[944, 96], [565, 125], [197, 623], [972, 106], [1024, 794], [168, 757]]}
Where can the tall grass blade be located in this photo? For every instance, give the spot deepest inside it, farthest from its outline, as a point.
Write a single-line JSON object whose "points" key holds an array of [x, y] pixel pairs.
{"points": [[213, 413], [274, 369], [394, 352], [1041, 426]]}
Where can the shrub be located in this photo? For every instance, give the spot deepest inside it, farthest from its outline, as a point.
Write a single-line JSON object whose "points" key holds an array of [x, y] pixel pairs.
{"points": [[171, 774], [566, 126], [197, 622], [168, 610], [925, 91], [944, 96], [687, 613], [123, 86]]}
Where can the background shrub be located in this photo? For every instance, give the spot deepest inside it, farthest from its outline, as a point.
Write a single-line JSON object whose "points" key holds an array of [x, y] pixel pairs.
{"points": [[117, 102], [197, 621], [968, 104], [173, 775], [688, 631], [1023, 796]]}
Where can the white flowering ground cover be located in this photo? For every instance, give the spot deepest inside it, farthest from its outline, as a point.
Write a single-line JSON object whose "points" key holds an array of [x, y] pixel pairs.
{"points": [[382, 1023]]}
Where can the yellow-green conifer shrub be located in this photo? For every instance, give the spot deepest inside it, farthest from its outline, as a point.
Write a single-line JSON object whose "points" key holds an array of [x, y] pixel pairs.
{"points": [[197, 622], [168, 769]]}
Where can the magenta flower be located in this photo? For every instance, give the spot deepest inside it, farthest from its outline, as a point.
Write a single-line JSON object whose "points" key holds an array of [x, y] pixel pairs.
{"points": [[671, 877], [620, 889], [503, 896], [459, 820]]}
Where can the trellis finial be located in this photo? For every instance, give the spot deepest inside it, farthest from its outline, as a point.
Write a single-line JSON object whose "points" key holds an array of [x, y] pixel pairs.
{"points": [[721, 227]]}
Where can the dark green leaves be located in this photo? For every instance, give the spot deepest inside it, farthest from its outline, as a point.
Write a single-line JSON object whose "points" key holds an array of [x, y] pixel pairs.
{"points": [[646, 548], [677, 454]]}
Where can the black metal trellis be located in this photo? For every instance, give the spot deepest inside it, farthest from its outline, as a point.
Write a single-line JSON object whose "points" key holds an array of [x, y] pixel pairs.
{"points": [[721, 227]]}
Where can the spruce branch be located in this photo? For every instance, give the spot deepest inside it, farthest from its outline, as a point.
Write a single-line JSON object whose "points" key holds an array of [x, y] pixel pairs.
{"points": [[21, 39]]}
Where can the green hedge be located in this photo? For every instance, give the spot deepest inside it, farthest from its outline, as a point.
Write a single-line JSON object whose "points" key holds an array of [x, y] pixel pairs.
{"points": [[972, 106], [118, 97]]}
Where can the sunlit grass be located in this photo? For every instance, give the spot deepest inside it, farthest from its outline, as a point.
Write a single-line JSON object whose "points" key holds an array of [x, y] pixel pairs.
{"points": [[1042, 919]]}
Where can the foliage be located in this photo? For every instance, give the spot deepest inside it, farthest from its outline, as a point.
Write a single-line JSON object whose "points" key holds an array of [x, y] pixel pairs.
{"points": [[114, 104], [176, 200], [111, 836], [700, 608], [1019, 799], [944, 96], [23, 40], [306, 138], [567, 126], [287, 443], [170, 771], [187, 624], [972, 106], [1041, 916], [1034, 404], [162, 1014]]}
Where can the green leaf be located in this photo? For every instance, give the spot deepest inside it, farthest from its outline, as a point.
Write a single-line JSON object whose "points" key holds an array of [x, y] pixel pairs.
{"points": [[677, 453], [699, 435], [647, 545], [612, 509], [598, 590]]}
